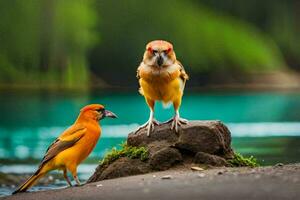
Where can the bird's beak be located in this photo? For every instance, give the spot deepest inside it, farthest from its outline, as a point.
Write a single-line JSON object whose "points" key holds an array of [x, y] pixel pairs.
{"points": [[160, 60], [110, 114]]}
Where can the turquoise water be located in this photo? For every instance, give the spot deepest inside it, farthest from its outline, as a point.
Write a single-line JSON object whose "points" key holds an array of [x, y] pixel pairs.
{"points": [[29, 121], [266, 125]]}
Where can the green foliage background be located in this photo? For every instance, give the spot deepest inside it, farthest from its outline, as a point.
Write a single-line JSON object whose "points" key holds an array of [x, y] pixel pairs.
{"points": [[80, 43]]}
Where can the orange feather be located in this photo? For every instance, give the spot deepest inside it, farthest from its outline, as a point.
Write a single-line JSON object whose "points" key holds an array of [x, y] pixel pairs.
{"points": [[72, 146]]}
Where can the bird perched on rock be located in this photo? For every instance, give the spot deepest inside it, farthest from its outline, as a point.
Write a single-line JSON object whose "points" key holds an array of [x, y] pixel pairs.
{"points": [[162, 78], [72, 146]]}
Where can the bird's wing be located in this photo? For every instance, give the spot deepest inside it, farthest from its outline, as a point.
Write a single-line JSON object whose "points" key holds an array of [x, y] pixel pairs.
{"points": [[138, 76], [66, 140], [138, 72], [183, 75]]}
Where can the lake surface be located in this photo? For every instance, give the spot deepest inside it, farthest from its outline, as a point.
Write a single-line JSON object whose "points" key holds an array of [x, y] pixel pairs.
{"points": [[263, 124]]}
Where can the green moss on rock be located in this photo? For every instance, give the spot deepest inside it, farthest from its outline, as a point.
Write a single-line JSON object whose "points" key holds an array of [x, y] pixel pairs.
{"points": [[240, 161], [125, 151]]}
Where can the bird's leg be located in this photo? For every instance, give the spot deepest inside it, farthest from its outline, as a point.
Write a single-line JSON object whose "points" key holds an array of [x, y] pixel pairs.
{"points": [[77, 180], [151, 122], [177, 121], [67, 178], [74, 174]]}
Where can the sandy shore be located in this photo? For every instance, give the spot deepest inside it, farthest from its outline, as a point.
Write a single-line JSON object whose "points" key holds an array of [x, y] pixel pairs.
{"points": [[278, 182]]}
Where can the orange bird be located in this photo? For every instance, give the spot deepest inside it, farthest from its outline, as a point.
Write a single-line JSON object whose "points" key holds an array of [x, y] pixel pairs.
{"points": [[72, 146], [162, 78]]}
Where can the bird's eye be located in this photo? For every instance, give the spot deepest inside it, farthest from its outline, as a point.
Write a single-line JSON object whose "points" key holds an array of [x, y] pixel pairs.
{"points": [[167, 51], [154, 51], [100, 109]]}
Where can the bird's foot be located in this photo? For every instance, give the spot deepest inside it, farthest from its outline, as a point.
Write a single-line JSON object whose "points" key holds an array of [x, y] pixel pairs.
{"points": [[70, 184], [149, 125], [176, 122], [77, 181]]}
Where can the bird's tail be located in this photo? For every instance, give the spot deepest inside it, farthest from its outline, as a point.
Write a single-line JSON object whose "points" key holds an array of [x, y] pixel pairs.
{"points": [[29, 182]]}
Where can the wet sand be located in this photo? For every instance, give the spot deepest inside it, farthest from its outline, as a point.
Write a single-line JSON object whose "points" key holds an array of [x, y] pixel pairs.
{"points": [[277, 182]]}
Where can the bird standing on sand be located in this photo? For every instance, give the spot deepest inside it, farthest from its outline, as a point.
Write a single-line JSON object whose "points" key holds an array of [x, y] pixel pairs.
{"points": [[72, 146], [162, 78]]}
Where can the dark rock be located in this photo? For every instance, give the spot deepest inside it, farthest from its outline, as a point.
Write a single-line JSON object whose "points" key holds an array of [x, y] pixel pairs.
{"points": [[208, 159], [205, 142], [165, 158], [156, 146], [119, 168], [160, 133], [211, 137]]}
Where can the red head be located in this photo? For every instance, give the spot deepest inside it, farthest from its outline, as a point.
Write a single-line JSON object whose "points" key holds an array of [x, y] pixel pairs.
{"points": [[159, 53]]}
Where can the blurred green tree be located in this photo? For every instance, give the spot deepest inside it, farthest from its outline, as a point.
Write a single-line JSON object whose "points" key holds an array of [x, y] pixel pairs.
{"points": [[55, 42], [205, 41], [46, 42], [279, 19]]}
